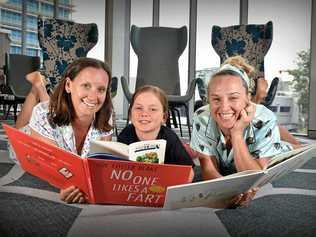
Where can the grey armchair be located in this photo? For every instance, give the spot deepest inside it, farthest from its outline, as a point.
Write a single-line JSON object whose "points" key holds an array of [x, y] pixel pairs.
{"points": [[17, 87], [158, 50]]}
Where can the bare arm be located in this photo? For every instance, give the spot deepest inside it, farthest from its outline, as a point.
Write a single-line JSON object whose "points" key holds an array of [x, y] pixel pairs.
{"points": [[243, 159], [209, 167]]}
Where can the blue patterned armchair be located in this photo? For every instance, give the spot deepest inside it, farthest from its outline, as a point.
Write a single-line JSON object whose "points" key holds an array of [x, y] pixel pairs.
{"points": [[252, 42], [62, 42]]}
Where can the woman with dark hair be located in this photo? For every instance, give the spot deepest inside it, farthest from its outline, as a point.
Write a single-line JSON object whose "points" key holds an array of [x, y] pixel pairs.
{"points": [[78, 111]]}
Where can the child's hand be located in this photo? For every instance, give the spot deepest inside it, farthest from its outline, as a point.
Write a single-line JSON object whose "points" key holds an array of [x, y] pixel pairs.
{"points": [[245, 117], [71, 195]]}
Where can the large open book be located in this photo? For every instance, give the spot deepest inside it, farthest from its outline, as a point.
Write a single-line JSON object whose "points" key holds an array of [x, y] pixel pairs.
{"points": [[152, 151], [101, 180], [217, 193]]}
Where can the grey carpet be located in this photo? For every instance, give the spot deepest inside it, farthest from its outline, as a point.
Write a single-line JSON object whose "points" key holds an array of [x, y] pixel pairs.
{"points": [[276, 215], [296, 180], [29, 216], [31, 181], [5, 168]]}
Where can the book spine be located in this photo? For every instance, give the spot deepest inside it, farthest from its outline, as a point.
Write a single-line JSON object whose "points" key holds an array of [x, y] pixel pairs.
{"points": [[88, 179]]}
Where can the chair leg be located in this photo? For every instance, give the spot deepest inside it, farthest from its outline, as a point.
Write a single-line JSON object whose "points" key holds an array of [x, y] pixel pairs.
{"points": [[188, 119], [179, 119], [168, 123], [15, 108], [174, 119]]}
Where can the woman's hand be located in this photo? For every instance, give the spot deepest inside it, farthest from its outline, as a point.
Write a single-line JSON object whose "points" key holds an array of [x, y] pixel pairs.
{"points": [[245, 117], [71, 195], [244, 199]]}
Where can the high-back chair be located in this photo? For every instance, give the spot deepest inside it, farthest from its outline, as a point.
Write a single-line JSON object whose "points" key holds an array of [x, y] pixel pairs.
{"points": [[158, 50], [252, 42], [17, 66], [62, 42]]}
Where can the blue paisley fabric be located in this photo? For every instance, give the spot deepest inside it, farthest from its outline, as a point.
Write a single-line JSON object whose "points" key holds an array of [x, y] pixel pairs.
{"points": [[62, 42], [249, 41], [252, 42]]}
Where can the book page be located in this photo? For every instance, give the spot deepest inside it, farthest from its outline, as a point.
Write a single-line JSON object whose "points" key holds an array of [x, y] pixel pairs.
{"points": [[109, 147], [152, 151], [287, 155], [216, 193], [295, 159]]}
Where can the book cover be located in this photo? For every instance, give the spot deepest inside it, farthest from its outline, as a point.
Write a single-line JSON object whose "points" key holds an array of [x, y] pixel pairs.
{"points": [[216, 193], [101, 180], [152, 151]]}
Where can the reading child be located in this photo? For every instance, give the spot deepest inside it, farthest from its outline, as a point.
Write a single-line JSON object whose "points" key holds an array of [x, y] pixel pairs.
{"points": [[232, 134], [148, 111], [78, 111]]}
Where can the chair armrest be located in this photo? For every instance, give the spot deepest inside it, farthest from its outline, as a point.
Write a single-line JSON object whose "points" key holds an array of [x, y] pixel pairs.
{"points": [[185, 98], [113, 86], [125, 88], [271, 92]]}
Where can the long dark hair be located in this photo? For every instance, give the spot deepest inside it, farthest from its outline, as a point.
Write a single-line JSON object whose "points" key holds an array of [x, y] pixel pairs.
{"points": [[61, 110]]}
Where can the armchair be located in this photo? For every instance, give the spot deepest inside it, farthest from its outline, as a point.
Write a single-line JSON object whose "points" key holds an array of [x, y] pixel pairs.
{"points": [[62, 42], [17, 87], [158, 50], [251, 42]]}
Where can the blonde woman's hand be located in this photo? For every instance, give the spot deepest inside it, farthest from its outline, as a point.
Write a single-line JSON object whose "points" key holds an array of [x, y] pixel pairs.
{"points": [[244, 199], [245, 117], [71, 195]]}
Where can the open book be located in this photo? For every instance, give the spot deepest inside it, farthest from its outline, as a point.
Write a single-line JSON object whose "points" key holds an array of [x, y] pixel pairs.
{"points": [[152, 151], [101, 180], [217, 193]]}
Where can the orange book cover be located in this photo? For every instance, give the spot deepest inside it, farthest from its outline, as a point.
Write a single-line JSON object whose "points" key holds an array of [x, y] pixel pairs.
{"points": [[102, 180]]}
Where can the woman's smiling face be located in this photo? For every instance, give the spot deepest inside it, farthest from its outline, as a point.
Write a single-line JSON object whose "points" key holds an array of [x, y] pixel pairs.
{"points": [[88, 91], [227, 97]]}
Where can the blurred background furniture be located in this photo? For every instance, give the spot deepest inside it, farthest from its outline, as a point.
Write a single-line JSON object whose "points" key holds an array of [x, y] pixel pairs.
{"points": [[158, 50], [17, 66], [62, 42], [252, 42]]}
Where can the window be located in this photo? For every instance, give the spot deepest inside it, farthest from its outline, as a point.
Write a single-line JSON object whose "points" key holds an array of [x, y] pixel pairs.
{"points": [[273, 108], [15, 3], [47, 9], [31, 52], [291, 35], [15, 50], [85, 12], [209, 13], [31, 22], [32, 6], [176, 13], [63, 13], [285, 109], [16, 36], [64, 2], [11, 18], [31, 38], [141, 16]]}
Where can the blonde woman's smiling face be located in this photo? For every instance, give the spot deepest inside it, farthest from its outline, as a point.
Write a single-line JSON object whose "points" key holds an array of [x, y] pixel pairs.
{"points": [[227, 97]]}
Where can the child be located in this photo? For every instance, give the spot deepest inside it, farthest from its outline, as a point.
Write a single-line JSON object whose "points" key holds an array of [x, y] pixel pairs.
{"points": [[148, 112]]}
